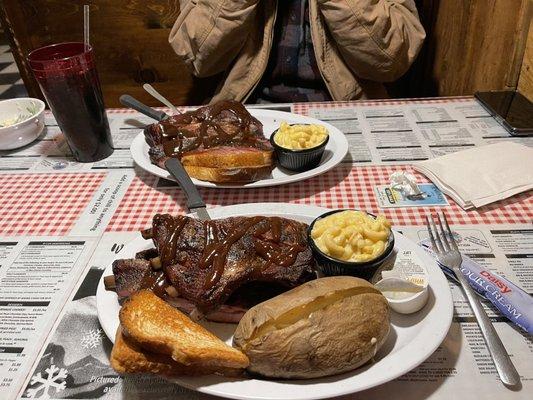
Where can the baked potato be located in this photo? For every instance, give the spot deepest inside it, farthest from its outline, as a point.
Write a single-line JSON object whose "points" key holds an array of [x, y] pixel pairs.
{"points": [[324, 327]]}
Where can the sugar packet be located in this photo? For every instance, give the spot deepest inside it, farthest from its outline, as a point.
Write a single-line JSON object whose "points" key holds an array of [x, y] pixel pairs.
{"points": [[509, 299]]}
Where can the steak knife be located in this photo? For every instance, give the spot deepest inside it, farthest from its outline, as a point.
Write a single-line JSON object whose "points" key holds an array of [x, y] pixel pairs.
{"points": [[128, 101], [195, 204]]}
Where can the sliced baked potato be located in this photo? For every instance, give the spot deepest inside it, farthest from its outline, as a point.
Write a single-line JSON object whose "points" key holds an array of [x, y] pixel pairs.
{"points": [[324, 327]]}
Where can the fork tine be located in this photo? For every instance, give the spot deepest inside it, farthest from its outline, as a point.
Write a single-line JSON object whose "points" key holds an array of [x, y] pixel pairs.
{"points": [[450, 234], [445, 244], [431, 237], [440, 247]]}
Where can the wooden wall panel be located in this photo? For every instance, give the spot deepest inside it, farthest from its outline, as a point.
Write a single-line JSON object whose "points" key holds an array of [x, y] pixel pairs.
{"points": [[471, 45], [525, 82], [129, 37]]}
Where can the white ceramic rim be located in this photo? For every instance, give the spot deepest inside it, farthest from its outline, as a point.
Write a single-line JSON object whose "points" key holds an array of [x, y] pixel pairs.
{"points": [[419, 347], [41, 109], [337, 144]]}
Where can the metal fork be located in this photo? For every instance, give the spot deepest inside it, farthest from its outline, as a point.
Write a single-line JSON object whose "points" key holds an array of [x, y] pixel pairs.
{"points": [[447, 253]]}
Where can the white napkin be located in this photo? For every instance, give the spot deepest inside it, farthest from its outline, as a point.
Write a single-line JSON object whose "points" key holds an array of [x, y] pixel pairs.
{"points": [[482, 175]]}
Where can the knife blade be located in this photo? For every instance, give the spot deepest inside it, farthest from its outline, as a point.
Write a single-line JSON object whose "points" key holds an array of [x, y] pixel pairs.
{"points": [[195, 204]]}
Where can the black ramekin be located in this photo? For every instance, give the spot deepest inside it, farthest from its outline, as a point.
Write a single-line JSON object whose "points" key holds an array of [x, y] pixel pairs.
{"points": [[298, 160], [330, 266]]}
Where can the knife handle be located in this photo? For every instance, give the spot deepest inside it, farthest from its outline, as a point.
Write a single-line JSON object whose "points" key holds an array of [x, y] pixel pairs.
{"points": [[128, 101], [194, 200]]}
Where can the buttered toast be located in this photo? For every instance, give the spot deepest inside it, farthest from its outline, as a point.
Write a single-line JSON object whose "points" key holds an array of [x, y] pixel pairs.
{"points": [[228, 164], [129, 357], [244, 174], [157, 327]]}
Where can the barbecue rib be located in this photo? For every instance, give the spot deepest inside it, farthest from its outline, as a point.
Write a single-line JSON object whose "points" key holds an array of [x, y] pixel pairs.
{"points": [[219, 143], [207, 261]]}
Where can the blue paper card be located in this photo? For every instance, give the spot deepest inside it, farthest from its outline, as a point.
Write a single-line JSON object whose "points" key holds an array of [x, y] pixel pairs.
{"points": [[388, 197]]}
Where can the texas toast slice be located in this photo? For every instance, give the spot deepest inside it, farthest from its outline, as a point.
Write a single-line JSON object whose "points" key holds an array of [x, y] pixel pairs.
{"points": [[159, 328], [128, 357], [228, 164]]}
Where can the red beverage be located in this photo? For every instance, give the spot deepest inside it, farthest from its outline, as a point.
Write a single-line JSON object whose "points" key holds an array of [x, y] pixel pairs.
{"points": [[68, 79]]}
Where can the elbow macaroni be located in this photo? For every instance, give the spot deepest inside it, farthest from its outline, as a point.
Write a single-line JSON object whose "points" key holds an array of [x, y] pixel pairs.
{"points": [[351, 236], [300, 137]]}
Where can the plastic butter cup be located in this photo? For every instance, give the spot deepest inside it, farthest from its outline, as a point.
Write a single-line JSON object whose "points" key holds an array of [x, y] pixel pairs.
{"points": [[403, 296]]}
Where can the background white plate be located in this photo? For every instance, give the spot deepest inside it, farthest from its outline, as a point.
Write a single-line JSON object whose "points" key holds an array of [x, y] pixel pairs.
{"points": [[412, 339], [335, 151]]}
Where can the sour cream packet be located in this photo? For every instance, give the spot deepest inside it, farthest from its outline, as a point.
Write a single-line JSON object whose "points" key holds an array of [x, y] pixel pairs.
{"points": [[509, 299]]}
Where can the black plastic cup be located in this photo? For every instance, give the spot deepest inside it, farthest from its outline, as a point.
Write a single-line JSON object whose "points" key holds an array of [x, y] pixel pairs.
{"points": [[298, 160], [330, 266], [67, 75]]}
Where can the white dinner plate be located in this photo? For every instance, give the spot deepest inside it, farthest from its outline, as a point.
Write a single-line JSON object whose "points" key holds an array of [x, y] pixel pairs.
{"points": [[412, 338], [336, 150]]}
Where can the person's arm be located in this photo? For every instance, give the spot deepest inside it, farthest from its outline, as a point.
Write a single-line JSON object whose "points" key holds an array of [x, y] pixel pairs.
{"points": [[209, 34], [378, 39]]}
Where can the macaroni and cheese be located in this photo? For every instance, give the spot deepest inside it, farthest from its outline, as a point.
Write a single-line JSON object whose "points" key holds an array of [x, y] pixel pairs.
{"points": [[300, 137], [351, 236]]}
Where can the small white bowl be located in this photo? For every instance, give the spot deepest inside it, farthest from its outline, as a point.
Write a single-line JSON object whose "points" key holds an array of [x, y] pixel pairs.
{"points": [[30, 112], [407, 305]]}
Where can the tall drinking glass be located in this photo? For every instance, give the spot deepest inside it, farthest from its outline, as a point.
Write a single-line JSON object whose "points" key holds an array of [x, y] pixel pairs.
{"points": [[67, 75]]}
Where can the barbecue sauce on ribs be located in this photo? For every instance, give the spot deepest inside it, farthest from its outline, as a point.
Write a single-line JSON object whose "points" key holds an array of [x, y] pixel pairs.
{"points": [[177, 139], [216, 249], [156, 282], [220, 267], [207, 261]]}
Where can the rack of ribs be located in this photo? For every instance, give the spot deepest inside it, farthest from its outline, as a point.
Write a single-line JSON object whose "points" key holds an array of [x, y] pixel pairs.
{"points": [[219, 143], [199, 266]]}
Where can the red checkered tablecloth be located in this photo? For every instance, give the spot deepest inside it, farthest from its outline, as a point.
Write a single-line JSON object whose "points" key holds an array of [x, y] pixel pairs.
{"points": [[303, 108], [346, 186], [44, 204], [51, 203], [84, 201]]}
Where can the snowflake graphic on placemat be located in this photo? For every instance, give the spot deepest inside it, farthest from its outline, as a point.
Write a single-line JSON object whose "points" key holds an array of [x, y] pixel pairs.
{"points": [[92, 338], [54, 379]]}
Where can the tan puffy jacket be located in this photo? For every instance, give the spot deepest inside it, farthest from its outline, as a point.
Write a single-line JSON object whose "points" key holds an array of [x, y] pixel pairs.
{"points": [[357, 43]]}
